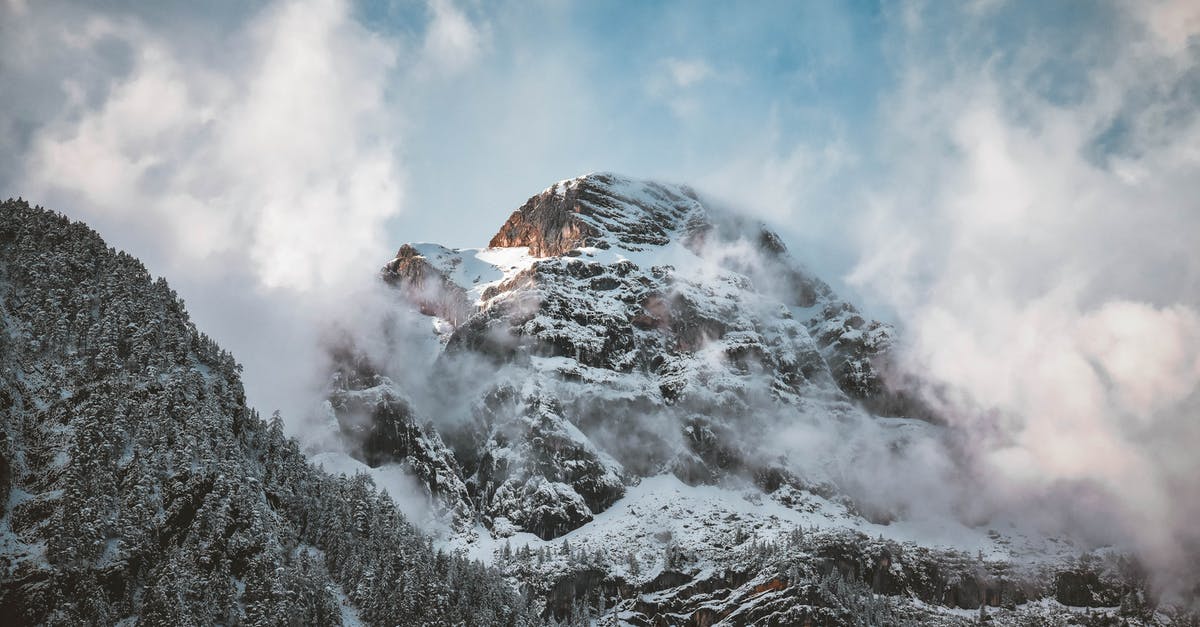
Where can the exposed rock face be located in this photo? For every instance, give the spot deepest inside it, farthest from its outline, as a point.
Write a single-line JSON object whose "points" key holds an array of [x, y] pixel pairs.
{"points": [[757, 252], [535, 472], [833, 578], [856, 349], [380, 425], [548, 224], [592, 211], [1085, 588]]}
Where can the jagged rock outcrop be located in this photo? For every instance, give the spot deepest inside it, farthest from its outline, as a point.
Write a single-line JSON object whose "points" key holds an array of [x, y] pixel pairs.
{"points": [[548, 224], [379, 426], [426, 286], [613, 399], [537, 473], [595, 210]]}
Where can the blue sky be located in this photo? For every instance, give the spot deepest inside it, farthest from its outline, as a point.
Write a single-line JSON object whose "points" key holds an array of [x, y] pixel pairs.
{"points": [[550, 90], [671, 90]]}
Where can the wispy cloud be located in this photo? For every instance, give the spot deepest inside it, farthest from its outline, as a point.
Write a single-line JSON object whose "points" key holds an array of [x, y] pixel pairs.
{"points": [[254, 162], [452, 41], [268, 154], [687, 72], [1045, 273]]}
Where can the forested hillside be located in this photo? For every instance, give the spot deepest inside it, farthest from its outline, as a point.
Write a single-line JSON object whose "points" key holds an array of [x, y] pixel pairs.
{"points": [[136, 486]]}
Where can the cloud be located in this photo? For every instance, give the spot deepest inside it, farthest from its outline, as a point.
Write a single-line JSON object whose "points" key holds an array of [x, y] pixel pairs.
{"points": [[269, 154], [1038, 248], [680, 84], [253, 158], [1150, 357], [687, 72], [452, 42], [778, 180], [1172, 23]]}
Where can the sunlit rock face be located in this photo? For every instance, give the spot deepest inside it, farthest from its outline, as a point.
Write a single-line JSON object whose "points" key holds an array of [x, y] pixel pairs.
{"points": [[599, 210], [614, 329]]}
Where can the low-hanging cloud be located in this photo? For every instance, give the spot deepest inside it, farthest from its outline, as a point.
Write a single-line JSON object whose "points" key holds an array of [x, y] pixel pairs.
{"points": [[1037, 241]]}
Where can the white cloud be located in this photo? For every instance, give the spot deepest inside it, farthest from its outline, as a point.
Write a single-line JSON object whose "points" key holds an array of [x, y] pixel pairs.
{"points": [[679, 84], [274, 154], [1173, 23], [1149, 356], [452, 42], [1050, 282], [255, 167]]}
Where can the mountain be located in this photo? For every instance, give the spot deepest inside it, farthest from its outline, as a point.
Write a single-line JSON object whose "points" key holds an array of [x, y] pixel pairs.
{"points": [[632, 408], [643, 408], [614, 329], [136, 486]]}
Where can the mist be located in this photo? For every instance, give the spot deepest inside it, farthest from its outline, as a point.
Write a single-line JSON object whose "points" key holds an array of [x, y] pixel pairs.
{"points": [[1038, 249]]}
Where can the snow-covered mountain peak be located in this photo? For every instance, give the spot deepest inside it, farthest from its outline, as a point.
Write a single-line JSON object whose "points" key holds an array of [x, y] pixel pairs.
{"points": [[613, 329]]}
